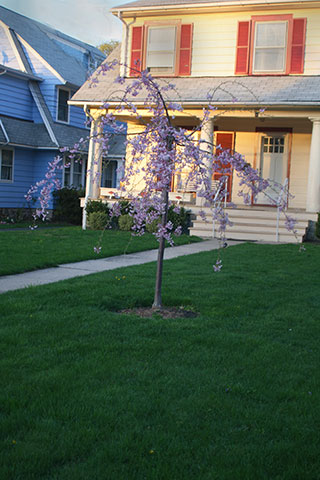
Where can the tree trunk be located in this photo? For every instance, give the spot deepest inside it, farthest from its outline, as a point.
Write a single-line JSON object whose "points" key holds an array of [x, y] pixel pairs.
{"points": [[157, 302]]}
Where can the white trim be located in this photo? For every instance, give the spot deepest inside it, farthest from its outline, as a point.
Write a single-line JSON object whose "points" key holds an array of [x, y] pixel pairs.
{"points": [[36, 54], [13, 162], [43, 115], [220, 5], [66, 89], [4, 131], [13, 46]]}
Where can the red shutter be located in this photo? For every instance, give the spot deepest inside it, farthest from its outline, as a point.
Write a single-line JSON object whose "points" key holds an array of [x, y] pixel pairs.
{"points": [[136, 51], [185, 50], [243, 43], [297, 46]]}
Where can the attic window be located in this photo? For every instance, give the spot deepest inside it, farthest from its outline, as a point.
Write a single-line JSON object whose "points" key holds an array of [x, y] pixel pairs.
{"points": [[63, 107]]}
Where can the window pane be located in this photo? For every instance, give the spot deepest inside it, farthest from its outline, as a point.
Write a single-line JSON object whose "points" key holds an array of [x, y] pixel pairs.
{"points": [[109, 174], [161, 39], [271, 34], [269, 60], [66, 177], [63, 108], [6, 164], [161, 48], [160, 59]]}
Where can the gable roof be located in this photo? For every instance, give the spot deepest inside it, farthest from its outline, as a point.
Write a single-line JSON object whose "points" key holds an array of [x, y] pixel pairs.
{"points": [[299, 90], [40, 38], [168, 4]]}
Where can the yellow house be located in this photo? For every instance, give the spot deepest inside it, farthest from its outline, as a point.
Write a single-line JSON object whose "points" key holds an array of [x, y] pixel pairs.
{"points": [[259, 62]]}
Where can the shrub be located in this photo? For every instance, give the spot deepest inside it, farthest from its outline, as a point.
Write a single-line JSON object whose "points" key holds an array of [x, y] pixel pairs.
{"points": [[67, 205], [125, 222], [318, 227], [97, 206], [98, 220], [153, 226], [181, 219]]}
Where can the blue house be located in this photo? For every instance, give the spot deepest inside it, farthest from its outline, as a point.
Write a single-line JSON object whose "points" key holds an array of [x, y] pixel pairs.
{"points": [[40, 69]]}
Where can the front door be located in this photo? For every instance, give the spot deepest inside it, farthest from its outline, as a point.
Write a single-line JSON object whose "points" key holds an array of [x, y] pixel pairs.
{"points": [[225, 140], [273, 166]]}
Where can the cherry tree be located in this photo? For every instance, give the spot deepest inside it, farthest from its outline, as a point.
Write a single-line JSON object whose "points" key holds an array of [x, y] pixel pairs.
{"points": [[159, 152]]}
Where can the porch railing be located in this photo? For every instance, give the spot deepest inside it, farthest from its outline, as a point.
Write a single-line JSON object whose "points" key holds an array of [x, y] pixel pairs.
{"points": [[282, 199], [223, 185]]}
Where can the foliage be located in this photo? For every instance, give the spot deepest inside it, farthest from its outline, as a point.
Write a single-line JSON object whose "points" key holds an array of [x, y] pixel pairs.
{"points": [[67, 205], [125, 222], [108, 47], [178, 216], [232, 394], [98, 220], [318, 226], [97, 206]]}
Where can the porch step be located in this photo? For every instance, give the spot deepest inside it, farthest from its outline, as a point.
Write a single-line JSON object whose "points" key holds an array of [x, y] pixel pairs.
{"points": [[258, 225]]}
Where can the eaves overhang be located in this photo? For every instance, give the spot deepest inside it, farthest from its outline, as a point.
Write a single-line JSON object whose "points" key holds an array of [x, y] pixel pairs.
{"points": [[203, 104], [18, 73], [164, 8]]}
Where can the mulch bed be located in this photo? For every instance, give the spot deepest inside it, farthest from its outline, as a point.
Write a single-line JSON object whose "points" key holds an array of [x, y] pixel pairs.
{"points": [[165, 312]]}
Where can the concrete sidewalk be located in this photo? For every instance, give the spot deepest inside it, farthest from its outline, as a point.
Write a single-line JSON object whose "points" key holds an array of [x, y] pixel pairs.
{"points": [[79, 269]]}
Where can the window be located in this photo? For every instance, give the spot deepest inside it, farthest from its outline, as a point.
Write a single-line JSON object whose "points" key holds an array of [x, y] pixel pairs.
{"points": [[164, 49], [161, 49], [74, 172], [272, 44], [109, 174], [6, 165], [63, 107]]}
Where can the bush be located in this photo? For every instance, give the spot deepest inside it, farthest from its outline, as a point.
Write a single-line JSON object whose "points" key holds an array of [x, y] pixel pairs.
{"points": [[318, 227], [98, 220], [125, 222], [153, 226], [97, 206], [67, 205], [181, 219]]}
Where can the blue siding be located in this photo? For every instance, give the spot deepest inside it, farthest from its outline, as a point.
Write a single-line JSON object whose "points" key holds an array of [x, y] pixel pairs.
{"points": [[30, 166], [7, 56], [15, 98], [48, 86], [77, 117]]}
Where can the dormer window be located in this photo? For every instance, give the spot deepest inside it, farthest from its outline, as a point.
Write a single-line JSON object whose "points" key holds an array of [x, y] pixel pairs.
{"points": [[62, 106]]}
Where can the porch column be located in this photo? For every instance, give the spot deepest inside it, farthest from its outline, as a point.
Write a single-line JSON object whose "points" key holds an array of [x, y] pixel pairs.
{"points": [[313, 189], [206, 144], [93, 175]]}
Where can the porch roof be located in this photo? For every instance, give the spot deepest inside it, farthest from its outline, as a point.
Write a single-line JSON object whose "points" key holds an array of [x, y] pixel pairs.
{"points": [[293, 90]]}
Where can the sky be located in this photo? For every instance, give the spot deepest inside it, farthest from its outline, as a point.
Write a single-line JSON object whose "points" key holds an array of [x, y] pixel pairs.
{"points": [[87, 20]]}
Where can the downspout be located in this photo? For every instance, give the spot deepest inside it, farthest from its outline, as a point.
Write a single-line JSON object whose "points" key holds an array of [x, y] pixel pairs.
{"points": [[126, 41]]}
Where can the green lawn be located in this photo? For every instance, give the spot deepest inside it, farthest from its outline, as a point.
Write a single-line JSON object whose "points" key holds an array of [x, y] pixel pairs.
{"points": [[21, 251], [234, 394]]}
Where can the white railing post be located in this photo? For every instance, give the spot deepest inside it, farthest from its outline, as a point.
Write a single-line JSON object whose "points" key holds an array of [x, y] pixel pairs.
{"points": [[215, 202], [283, 193]]}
